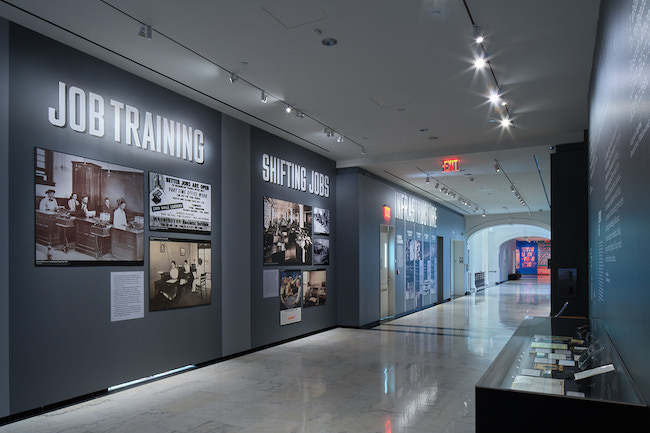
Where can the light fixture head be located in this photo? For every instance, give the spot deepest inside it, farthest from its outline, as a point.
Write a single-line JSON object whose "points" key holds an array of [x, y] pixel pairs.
{"points": [[495, 96], [233, 78], [506, 122], [437, 185], [427, 180], [264, 97], [328, 132], [145, 31], [480, 62], [340, 139], [497, 168], [287, 109], [483, 215], [363, 150]]}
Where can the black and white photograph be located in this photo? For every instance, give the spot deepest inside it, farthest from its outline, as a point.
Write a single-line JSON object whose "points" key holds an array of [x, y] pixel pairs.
{"points": [[180, 273], [314, 287], [321, 251], [321, 221], [287, 233], [177, 204], [87, 211]]}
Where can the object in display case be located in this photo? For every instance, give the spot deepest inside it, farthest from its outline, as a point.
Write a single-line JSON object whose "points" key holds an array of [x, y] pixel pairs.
{"points": [[538, 384], [594, 372], [589, 354]]}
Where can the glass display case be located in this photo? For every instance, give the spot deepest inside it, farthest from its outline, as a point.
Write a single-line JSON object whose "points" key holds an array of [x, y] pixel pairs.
{"points": [[558, 373]]}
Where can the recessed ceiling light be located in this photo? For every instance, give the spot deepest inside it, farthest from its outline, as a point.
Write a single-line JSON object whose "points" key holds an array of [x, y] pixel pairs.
{"points": [[329, 42]]}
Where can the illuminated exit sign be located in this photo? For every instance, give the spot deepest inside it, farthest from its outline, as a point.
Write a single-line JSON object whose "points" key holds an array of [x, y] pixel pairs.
{"points": [[451, 165]]}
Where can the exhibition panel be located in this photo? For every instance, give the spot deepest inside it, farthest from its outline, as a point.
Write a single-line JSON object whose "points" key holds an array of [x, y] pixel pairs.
{"points": [[83, 139]]}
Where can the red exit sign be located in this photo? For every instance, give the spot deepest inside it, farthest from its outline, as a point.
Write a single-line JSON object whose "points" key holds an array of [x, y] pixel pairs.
{"points": [[451, 165]]}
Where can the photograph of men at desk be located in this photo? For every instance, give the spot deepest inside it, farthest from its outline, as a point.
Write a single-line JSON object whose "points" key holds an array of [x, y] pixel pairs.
{"points": [[81, 210], [179, 274]]}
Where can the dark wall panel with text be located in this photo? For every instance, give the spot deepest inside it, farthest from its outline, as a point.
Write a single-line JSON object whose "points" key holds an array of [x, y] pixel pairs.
{"points": [[619, 205]]}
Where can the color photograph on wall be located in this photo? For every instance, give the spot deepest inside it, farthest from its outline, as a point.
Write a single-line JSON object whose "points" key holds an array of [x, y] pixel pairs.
{"points": [[321, 251], [87, 211], [314, 288], [180, 273], [177, 204], [290, 296], [321, 221], [287, 233]]}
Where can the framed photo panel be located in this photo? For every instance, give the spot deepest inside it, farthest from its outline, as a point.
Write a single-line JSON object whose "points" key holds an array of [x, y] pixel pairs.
{"points": [[177, 204], [287, 233], [87, 212], [180, 273]]}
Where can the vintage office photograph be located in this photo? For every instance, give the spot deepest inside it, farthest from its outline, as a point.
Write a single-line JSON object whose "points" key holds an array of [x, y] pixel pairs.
{"points": [[180, 273], [287, 233], [321, 221], [321, 251], [314, 287], [87, 211]]}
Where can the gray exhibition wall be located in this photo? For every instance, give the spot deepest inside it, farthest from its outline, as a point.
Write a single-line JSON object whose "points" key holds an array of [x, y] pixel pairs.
{"points": [[62, 343], [362, 197], [4, 217], [236, 235], [619, 233], [265, 311]]}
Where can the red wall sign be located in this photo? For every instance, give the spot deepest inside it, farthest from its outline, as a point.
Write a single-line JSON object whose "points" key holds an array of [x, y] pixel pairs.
{"points": [[387, 213], [451, 165]]}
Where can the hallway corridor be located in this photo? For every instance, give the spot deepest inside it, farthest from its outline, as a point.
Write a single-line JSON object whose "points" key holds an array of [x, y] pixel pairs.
{"points": [[415, 374]]}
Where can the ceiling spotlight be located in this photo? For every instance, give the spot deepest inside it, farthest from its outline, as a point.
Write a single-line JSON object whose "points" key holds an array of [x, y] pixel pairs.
{"points": [[478, 37], [145, 31], [437, 185], [363, 150], [328, 132], [480, 62], [233, 78], [340, 139], [299, 114], [288, 109], [427, 180], [497, 168], [512, 188], [506, 122], [476, 209], [483, 215], [495, 97], [504, 103], [264, 98]]}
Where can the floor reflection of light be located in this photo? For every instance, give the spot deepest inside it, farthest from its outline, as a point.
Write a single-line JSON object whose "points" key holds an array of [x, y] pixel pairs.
{"points": [[385, 380], [418, 405], [387, 426]]}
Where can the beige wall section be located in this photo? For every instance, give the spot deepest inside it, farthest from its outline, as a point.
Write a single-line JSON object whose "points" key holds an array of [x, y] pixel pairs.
{"points": [[474, 223]]}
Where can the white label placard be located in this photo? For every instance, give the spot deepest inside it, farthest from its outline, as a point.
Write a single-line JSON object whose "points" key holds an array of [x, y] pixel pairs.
{"points": [[292, 315], [127, 295], [270, 281], [179, 204]]}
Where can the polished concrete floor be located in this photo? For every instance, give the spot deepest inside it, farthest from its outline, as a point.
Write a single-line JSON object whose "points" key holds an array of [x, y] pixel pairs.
{"points": [[415, 374]]}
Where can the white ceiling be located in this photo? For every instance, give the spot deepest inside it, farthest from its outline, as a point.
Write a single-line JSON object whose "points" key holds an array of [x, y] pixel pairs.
{"points": [[399, 83]]}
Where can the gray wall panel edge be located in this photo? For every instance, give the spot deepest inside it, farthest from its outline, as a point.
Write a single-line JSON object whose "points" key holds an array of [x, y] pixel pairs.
{"points": [[236, 244], [347, 232], [4, 217]]}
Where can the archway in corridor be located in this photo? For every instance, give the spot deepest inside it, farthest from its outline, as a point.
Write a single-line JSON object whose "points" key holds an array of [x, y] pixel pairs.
{"points": [[491, 251]]}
